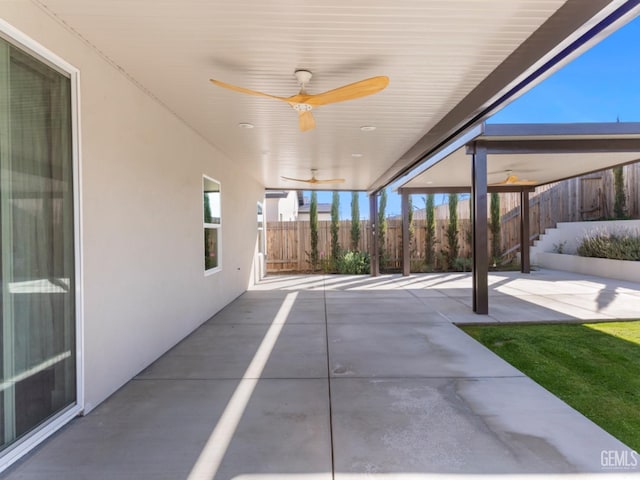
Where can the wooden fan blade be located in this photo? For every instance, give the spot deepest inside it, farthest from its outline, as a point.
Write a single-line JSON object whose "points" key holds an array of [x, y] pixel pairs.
{"points": [[246, 90], [306, 121], [308, 180], [514, 180], [348, 92], [313, 180], [511, 179], [332, 180]]}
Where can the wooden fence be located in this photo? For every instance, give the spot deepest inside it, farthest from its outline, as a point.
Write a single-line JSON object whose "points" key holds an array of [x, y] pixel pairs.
{"points": [[589, 197], [289, 243]]}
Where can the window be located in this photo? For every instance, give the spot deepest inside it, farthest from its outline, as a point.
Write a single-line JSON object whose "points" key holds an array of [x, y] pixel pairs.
{"points": [[260, 229], [37, 251], [212, 224]]}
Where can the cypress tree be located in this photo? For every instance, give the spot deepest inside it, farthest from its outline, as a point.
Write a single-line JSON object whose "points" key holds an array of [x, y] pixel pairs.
{"points": [[412, 230], [313, 220], [430, 234], [355, 221], [335, 226], [452, 230], [494, 226], [619, 200], [382, 227]]}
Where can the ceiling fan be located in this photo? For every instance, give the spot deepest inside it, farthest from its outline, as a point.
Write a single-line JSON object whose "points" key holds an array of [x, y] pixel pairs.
{"points": [[514, 180], [304, 102], [313, 180]]}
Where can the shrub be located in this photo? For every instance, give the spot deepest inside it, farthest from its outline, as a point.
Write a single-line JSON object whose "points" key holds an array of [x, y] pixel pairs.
{"points": [[616, 246], [353, 263], [462, 264]]}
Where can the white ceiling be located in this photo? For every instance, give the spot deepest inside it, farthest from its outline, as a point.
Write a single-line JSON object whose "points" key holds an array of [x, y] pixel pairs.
{"points": [[438, 55], [454, 171]]}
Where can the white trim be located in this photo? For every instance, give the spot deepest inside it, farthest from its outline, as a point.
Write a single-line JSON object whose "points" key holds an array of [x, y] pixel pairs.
{"points": [[76, 139], [440, 154], [32, 440], [52, 425], [20, 40]]}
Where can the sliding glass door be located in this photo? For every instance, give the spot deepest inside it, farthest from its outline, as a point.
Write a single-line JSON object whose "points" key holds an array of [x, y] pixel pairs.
{"points": [[37, 302]]}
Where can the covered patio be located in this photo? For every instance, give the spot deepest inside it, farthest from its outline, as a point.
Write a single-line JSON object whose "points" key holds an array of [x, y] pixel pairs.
{"points": [[495, 158], [132, 211], [346, 377]]}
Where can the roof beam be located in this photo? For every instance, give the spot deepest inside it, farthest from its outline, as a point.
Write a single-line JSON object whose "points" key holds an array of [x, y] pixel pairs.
{"points": [[549, 146], [491, 189], [561, 129]]}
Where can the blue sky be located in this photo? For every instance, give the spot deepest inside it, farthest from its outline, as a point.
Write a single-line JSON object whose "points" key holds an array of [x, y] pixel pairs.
{"points": [[602, 85]]}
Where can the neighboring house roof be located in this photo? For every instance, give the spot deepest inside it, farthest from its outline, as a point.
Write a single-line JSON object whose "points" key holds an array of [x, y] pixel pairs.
{"points": [[284, 194], [276, 194], [322, 208]]}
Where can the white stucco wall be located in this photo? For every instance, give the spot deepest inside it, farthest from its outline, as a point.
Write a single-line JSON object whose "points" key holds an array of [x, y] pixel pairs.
{"points": [[282, 209], [569, 235], [144, 286]]}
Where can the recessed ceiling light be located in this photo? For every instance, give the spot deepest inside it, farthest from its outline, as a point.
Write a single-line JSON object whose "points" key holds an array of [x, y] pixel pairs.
{"points": [[356, 155], [245, 125], [367, 128], [430, 182]]}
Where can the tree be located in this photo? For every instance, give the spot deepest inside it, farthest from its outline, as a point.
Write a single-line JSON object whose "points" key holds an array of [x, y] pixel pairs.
{"points": [[412, 230], [452, 230], [382, 228], [335, 226], [619, 200], [207, 219], [494, 226], [430, 234], [355, 221], [313, 220]]}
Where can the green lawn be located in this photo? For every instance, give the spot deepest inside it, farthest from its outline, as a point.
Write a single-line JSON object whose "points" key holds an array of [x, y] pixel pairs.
{"points": [[595, 367]]}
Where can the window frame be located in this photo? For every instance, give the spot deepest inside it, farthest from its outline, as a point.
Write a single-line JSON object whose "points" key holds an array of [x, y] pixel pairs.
{"points": [[213, 226], [39, 52]]}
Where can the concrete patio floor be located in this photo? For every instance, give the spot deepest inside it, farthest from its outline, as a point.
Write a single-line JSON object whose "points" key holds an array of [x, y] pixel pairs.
{"points": [[346, 377]]}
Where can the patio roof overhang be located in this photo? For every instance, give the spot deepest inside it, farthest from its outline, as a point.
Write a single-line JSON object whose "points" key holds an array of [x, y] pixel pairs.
{"points": [[477, 162], [541, 153]]}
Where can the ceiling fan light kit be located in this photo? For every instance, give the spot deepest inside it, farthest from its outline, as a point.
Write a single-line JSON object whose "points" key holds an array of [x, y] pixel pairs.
{"points": [[304, 102]]}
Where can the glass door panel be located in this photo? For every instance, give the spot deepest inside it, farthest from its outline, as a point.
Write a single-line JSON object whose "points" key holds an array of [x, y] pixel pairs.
{"points": [[37, 244]]}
